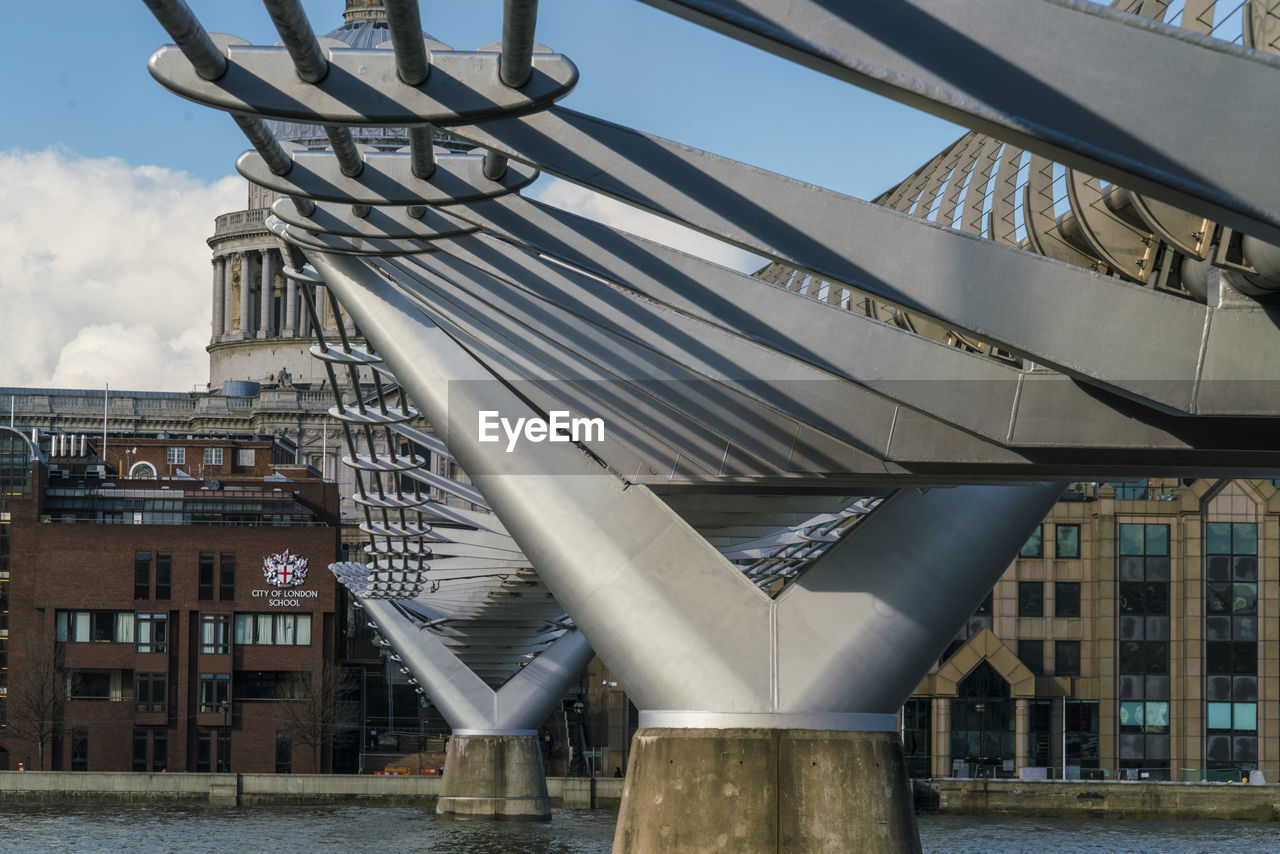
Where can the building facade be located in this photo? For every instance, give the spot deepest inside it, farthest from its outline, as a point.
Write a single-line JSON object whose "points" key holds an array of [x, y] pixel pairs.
{"points": [[166, 625], [1134, 637]]}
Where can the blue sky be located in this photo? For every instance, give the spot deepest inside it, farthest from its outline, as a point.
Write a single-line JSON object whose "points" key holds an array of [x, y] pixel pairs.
{"points": [[109, 183], [81, 82]]}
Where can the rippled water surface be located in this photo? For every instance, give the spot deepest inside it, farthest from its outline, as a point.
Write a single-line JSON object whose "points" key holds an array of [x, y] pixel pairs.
{"points": [[83, 829]]}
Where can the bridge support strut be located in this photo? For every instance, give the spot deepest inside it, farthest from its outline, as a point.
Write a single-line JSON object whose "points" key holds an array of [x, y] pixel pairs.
{"points": [[827, 661]]}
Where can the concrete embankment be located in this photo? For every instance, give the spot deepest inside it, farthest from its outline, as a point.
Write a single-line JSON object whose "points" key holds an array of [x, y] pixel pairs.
{"points": [[1113, 799], [267, 789]]}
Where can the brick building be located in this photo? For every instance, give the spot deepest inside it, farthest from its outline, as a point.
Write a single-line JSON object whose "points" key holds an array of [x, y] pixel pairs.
{"points": [[140, 621]]}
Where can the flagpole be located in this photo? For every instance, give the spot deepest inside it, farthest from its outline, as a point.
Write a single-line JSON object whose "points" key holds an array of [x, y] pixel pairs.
{"points": [[106, 391]]}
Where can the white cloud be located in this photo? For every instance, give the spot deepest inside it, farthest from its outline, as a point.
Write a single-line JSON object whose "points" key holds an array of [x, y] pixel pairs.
{"points": [[592, 205], [104, 271]]}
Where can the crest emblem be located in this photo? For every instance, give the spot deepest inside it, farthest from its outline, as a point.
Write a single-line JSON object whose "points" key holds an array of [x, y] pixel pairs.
{"points": [[285, 569]]}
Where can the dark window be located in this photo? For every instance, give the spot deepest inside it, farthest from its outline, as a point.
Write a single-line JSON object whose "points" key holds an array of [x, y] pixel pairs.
{"points": [[164, 574], [213, 749], [1066, 598], [1066, 656], [215, 634], [150, 692], [284, 752], [1066, 541], [95, 684], [1030, 599], [206, 576], [1031, 653], [1231, 649], [1081, 733], [160, 750], [80, 749], [227, 576], [153, 632], [270, 684], [139, 749], [142, 575], [1034, 546], [215, 692]]}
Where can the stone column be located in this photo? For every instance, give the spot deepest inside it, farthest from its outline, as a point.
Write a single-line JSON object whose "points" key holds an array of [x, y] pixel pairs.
{"points": [[227, 277], [941, 736], [290, 323], [266, 301], [322, 299], [219, 306], [246, 289], [1022, 732]]}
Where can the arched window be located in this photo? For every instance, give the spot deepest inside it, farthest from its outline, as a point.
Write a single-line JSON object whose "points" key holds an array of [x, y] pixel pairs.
{"points": [[142, 471]]}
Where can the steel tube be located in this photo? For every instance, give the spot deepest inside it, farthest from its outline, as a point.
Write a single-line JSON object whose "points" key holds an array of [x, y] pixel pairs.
{"points": [[420, 149], [405, 24], [299, 39], [188, 34], [277, 159], [519, 19], [495, 165], [344, 148]]}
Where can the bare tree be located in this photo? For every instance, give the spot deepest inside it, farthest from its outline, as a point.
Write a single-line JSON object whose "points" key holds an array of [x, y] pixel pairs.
{"points": [[37, 692], [318, 710]]}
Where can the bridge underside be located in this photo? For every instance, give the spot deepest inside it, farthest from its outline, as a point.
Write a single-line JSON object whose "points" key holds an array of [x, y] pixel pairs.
{"points": [[804, 480]]}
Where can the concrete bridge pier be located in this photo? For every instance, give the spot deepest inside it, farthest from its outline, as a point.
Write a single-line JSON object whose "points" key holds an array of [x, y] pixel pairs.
{"points": [[766, 790], [761, 684], [493, 762]]}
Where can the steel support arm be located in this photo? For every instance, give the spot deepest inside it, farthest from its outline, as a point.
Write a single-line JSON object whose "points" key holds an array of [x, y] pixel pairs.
{"points": [[1160, 349], [1097, 89], [465, 701], [688, 634], [993, 400]]}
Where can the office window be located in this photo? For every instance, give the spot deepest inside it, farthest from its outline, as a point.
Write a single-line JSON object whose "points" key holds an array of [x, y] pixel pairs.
{"points": [[227, 576], [1034, 547], [150, 692], [215, 692], [1066, 655], [175, 456], [164, 574], [153, 632], [273, 629], [1066, 598], [139, 749], [95, 685], [245, 457], [1066, 541], [1231, 648], [205, 577], [213, 456], [94, 626], [142, 575], [160, 750], [213, 749], [1143, 648], [1030, 599], [80, 749], [284, 752], [1031, 653], [215, 634]]}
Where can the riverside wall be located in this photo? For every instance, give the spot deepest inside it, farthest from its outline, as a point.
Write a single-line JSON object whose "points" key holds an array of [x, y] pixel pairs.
{"points": [[1102, 799], [267, 789]]}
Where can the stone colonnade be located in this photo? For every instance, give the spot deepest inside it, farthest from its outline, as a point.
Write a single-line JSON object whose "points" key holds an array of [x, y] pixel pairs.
{"points": [[245, 310]]}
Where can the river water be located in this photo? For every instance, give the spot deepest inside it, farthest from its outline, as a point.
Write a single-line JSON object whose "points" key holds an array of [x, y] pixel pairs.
{"points": [[87, 829]]}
